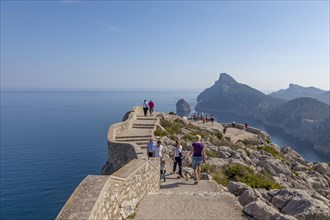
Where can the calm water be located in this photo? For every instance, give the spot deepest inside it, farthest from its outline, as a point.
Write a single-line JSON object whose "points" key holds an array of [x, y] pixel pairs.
{"points": [[50, 141]]}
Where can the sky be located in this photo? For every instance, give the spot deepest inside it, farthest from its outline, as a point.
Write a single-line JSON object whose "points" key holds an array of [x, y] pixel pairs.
{"points": [[163, 44]]}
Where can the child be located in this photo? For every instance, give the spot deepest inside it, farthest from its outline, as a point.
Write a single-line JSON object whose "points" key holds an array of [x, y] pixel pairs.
{"points": [[162, 169]]}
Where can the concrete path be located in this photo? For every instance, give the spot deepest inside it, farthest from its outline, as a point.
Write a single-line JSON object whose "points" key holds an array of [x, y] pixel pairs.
{"points": [[181, 199]]}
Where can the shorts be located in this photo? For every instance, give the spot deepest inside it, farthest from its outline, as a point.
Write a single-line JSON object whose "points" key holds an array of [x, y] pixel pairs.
{"points": [[196, 161]]}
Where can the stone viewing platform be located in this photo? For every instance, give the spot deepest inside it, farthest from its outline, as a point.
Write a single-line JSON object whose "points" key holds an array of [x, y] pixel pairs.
{"points": [[245, 176]]}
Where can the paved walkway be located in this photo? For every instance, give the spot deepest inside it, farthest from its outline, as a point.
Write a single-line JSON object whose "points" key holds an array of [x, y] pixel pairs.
{"points": [[181, 199]]}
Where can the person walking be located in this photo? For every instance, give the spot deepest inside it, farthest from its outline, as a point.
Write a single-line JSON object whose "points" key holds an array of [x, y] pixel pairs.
{"points": [[151, 106], [177, 157], [198, 153], [150, 148], [145, 107]]}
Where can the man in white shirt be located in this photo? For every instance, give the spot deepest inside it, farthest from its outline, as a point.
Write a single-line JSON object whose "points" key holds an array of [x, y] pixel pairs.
{"points": [[158, 149]]}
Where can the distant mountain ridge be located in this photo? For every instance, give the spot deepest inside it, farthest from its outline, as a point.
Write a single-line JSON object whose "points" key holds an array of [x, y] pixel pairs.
{"points": [[304, 118], [239, 98], [297, 91]]}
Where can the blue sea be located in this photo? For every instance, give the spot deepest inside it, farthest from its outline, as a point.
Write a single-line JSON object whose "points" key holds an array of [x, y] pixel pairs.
{"points": [[51, 140]]}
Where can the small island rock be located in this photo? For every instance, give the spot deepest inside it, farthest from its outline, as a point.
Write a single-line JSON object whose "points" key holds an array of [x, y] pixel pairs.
{"points": [[182, 106]]}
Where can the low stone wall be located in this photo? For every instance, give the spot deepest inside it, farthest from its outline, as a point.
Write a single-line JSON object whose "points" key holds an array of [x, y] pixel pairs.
{"points": [[115, 196], [253, 130], [120, 153]]}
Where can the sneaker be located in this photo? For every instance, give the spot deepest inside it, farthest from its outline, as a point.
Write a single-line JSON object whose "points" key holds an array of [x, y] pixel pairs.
{"points": [[179, 177]]}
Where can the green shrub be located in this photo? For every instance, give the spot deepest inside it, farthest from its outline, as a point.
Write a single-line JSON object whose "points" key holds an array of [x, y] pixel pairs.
{"points": [[250, 142], [241, 173], [272, 151], [160, 133], [173, 137], [172, 113], [220, 178], [208, 168], [188, 137], [212, 153], [171, 128]]}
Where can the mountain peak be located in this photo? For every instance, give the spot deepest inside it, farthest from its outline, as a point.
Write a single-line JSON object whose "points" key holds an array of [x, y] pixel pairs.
{"points": [[294, 86], [226, 78]]}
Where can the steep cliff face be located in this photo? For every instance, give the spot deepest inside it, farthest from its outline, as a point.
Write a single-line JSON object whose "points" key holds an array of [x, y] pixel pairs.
{"points": [[304, 118], [227, 95]]}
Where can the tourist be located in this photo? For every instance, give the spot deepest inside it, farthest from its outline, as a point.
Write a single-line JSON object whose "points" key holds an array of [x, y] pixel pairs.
{"points": [[158, 150], [151, 106], [198, 153], [177, 148], [212, 119], [224, 129], [245, 126], [145, 107], [150, 148], [233, 124]]}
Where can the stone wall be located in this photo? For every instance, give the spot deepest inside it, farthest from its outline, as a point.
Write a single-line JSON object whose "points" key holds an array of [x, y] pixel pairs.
{"points": [[120, 153], [115, 196], [253, 130]]}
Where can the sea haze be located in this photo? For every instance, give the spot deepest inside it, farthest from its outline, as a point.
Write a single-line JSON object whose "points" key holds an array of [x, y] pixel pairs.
{"points": [[51, 140]]}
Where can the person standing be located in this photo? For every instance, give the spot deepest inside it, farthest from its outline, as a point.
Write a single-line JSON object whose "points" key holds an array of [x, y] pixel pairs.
{"points": [[212, 119], [150, 148], [158, 150], [151, 106], [177, 157], [245, 126], [145, 107], [198, 153]]}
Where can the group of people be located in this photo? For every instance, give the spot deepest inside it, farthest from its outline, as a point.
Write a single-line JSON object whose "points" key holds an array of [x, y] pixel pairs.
{"points": [[148, 106], [197, 152], [200, 116]]}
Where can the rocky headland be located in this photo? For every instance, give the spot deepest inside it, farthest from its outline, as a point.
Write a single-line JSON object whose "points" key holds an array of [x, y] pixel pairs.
{"points": [[269, 182], [304, 118]]}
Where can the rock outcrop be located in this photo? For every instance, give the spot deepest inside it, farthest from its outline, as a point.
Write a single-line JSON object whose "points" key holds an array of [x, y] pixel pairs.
{"points": [[182, 106]]}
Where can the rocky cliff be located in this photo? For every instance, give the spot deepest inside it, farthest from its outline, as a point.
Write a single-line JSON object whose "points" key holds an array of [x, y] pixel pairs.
{"points": [[304, 118], [269, 182]]}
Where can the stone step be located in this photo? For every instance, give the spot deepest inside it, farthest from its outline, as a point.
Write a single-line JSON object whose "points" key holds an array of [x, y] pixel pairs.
{"points": [[142, 118], [143, 127], [136, 136], [150, 125], [133, 140], [144, 143]]}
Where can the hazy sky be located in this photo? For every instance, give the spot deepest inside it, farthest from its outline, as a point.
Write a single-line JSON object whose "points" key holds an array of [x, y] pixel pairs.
{"points": [[157, 45]]}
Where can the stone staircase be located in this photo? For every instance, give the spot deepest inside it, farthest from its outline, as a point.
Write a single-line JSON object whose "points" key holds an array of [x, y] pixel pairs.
{"points": [[140, 133]]}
